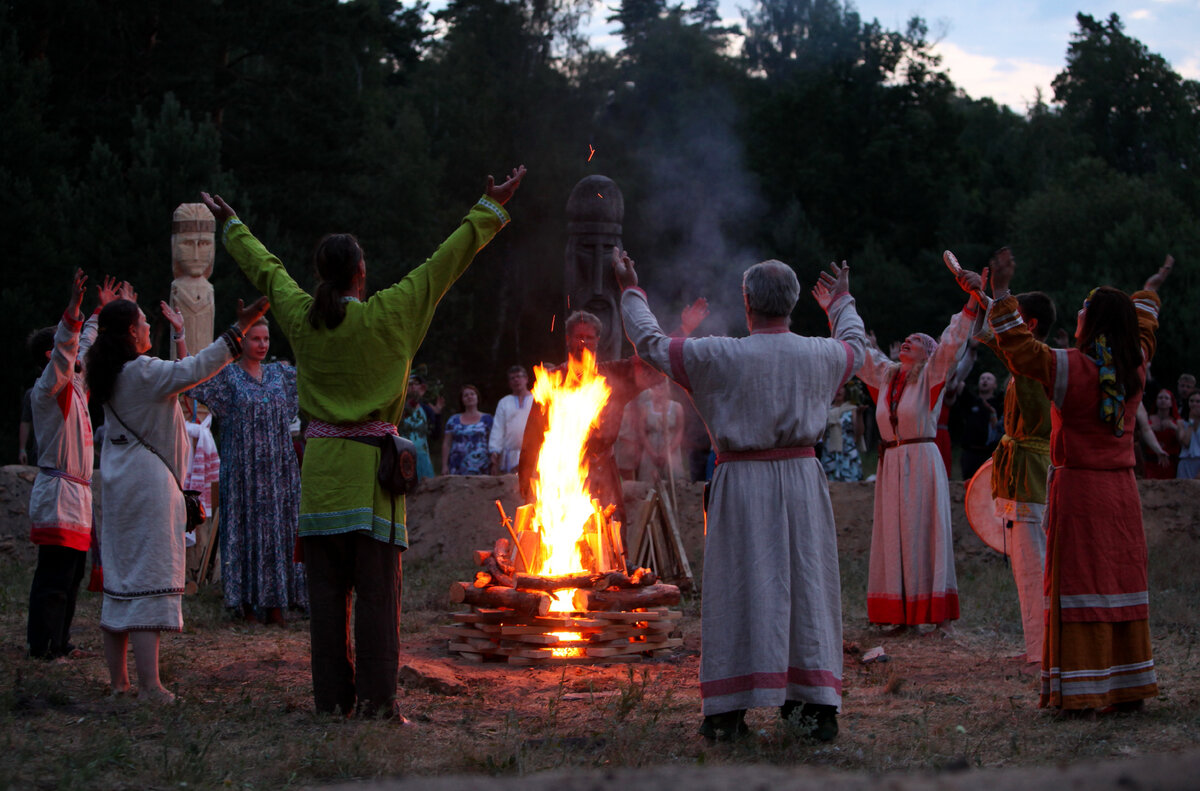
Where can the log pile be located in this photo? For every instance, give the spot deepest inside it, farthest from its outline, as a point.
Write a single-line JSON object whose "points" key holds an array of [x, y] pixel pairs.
{"points": [[586, 638], [617, 617]]}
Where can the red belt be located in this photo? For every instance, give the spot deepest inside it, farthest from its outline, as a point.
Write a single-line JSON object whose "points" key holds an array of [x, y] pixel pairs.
{"points": [[885, 444], [770, 454]]}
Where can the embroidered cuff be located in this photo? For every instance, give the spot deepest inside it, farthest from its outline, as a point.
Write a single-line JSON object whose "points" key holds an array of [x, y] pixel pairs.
{"points": [[1146, 306], [495, 208], [233, 341], [232, 221], [71, 323]]}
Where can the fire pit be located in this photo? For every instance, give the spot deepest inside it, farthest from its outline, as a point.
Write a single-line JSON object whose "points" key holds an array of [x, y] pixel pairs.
{"points": [[559, 593]]}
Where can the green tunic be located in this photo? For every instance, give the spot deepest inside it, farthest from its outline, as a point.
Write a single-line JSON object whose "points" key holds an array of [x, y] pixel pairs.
{"points": [[358, 371], [1021, 461]]}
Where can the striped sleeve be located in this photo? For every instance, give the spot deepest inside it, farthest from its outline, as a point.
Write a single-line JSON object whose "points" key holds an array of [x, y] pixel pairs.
{"points": [[1022, 353], [1147, 304]]}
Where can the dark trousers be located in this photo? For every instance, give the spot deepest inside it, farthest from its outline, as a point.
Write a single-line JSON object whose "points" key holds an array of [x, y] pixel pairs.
{"points": [[52, 600], [340, 567]]}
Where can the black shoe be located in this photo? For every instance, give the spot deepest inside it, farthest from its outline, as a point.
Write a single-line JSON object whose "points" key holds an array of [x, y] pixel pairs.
{"points": [[813, 720], [725, 727]]}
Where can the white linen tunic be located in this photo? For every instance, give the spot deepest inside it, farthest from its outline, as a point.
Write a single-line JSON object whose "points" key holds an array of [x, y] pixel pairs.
{"points": [[771, 596], [60, 508], [144, 513], [508, 429], [911, 578]]}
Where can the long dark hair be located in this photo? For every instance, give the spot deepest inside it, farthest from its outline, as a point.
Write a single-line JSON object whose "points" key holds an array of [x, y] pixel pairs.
{"points": [[336, 261], [1110, 312], [112, 348]]}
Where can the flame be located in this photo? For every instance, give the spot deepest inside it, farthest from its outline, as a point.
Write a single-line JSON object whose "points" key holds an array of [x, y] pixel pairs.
{"points": [[591, 152], [566, 651], [572, 401]]}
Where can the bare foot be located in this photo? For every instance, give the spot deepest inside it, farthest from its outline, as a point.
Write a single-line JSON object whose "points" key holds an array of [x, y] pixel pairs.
{"points": [[276, 617], [158, 696], [120, 693]]}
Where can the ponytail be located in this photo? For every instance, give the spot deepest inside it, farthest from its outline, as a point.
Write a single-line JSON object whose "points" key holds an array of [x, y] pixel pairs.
{"points": [[336, 260]]}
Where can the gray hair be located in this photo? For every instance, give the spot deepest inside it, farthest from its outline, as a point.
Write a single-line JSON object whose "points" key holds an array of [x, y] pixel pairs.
{"points": [[771, 288], [586, 318]]}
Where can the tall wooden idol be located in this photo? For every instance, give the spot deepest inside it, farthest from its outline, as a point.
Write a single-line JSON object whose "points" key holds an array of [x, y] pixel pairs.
{"points": [[193, 231], [595, 211]]}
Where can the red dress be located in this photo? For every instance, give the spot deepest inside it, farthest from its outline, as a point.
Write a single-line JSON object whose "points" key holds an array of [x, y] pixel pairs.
{"points": [[1097, 641]]}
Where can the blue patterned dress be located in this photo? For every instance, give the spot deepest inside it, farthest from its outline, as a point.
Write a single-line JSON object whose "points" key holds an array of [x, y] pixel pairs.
{"points": [[414, 426], [260, 485], [468, 446]]}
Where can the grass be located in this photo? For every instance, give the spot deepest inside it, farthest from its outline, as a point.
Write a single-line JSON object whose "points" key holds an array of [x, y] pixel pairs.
{"points": [[246, 720]]}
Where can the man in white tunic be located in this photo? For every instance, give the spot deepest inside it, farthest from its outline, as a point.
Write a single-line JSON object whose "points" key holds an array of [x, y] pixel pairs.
{"points": [[772, 615], [508, 426]]}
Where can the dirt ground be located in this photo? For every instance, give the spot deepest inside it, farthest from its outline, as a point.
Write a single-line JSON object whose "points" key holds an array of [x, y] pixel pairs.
{"points": [[963, 706]]}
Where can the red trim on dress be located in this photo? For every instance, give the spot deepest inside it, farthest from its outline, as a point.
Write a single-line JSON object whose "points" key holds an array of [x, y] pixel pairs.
{"points": [[794, 675]]}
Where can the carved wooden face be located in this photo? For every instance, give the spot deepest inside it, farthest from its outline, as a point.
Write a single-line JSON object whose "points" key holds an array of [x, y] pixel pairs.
{"points": [[192, 254]]}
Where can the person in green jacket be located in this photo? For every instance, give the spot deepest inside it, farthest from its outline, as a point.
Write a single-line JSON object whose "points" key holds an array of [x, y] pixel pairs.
{"points": [[353, 355]]}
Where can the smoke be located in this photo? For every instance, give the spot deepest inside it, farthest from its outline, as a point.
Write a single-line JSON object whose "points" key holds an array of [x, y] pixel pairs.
{"points": [[698, 206]]}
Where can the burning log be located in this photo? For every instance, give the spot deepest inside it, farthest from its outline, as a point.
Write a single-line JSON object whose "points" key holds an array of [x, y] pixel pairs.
{"points": [[495, 564], [626, 599], [523, 602], [584, 579]]}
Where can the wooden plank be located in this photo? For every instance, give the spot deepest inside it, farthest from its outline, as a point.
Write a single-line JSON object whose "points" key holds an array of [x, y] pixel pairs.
{"points": [[469, 648], [629, 615], [446, 630], [635, 648], [485, 616], [471, 656]]}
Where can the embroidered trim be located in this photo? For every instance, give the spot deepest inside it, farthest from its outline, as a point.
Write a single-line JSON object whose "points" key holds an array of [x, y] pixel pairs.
{"points": [[1146, 306], [143, 594], [846, 374], [1061, 365], [1006, 322], [368, 428], [678, 371], [495, 209]]}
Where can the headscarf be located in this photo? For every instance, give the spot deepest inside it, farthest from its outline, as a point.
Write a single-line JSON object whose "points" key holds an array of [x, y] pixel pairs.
{"points": [[1112, 392], [928, 342]]}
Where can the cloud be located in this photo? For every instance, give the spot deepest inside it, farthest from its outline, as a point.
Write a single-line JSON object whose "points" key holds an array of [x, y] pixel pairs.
{"points": [[1010, 81], [1190, 68], [1141, 14]]}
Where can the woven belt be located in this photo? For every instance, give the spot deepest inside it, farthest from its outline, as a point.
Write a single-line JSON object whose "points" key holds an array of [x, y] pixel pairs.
{"points": [[53, 473], [319, 429], [769, 454], [885, 444]]}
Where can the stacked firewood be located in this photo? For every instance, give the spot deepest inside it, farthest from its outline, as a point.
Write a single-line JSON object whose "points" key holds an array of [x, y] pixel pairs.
{"points": [[499, 584], [589, 638], [616, 616]]}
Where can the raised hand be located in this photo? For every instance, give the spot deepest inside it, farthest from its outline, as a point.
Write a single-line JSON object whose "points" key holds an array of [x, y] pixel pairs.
{"points": [[1003, 267], [1155, 281], [173, 317], [832, 284], [248, 314], [125, 291], [108, 291], [692, 315], [623, 269], [501, 193], [221, 210], [78, 286]]}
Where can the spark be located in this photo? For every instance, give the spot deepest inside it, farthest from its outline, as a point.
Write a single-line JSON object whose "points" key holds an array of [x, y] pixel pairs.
{"points": [[552, 318], [591, 152], [598, 195]]}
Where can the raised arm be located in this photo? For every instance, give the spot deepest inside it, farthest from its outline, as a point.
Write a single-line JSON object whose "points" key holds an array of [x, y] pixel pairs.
{"points": [[832, 293], [60, 369]]}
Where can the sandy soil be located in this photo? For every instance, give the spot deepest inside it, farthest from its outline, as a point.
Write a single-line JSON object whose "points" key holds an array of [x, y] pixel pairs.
{"points": [[949, 703]]}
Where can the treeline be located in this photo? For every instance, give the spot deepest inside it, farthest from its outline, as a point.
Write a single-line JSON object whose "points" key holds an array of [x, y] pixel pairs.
{"points": [[807, 134]]}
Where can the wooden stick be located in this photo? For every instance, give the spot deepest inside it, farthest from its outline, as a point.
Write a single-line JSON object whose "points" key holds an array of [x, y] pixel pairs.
{"points": [[504, 520], [677, 542]]}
